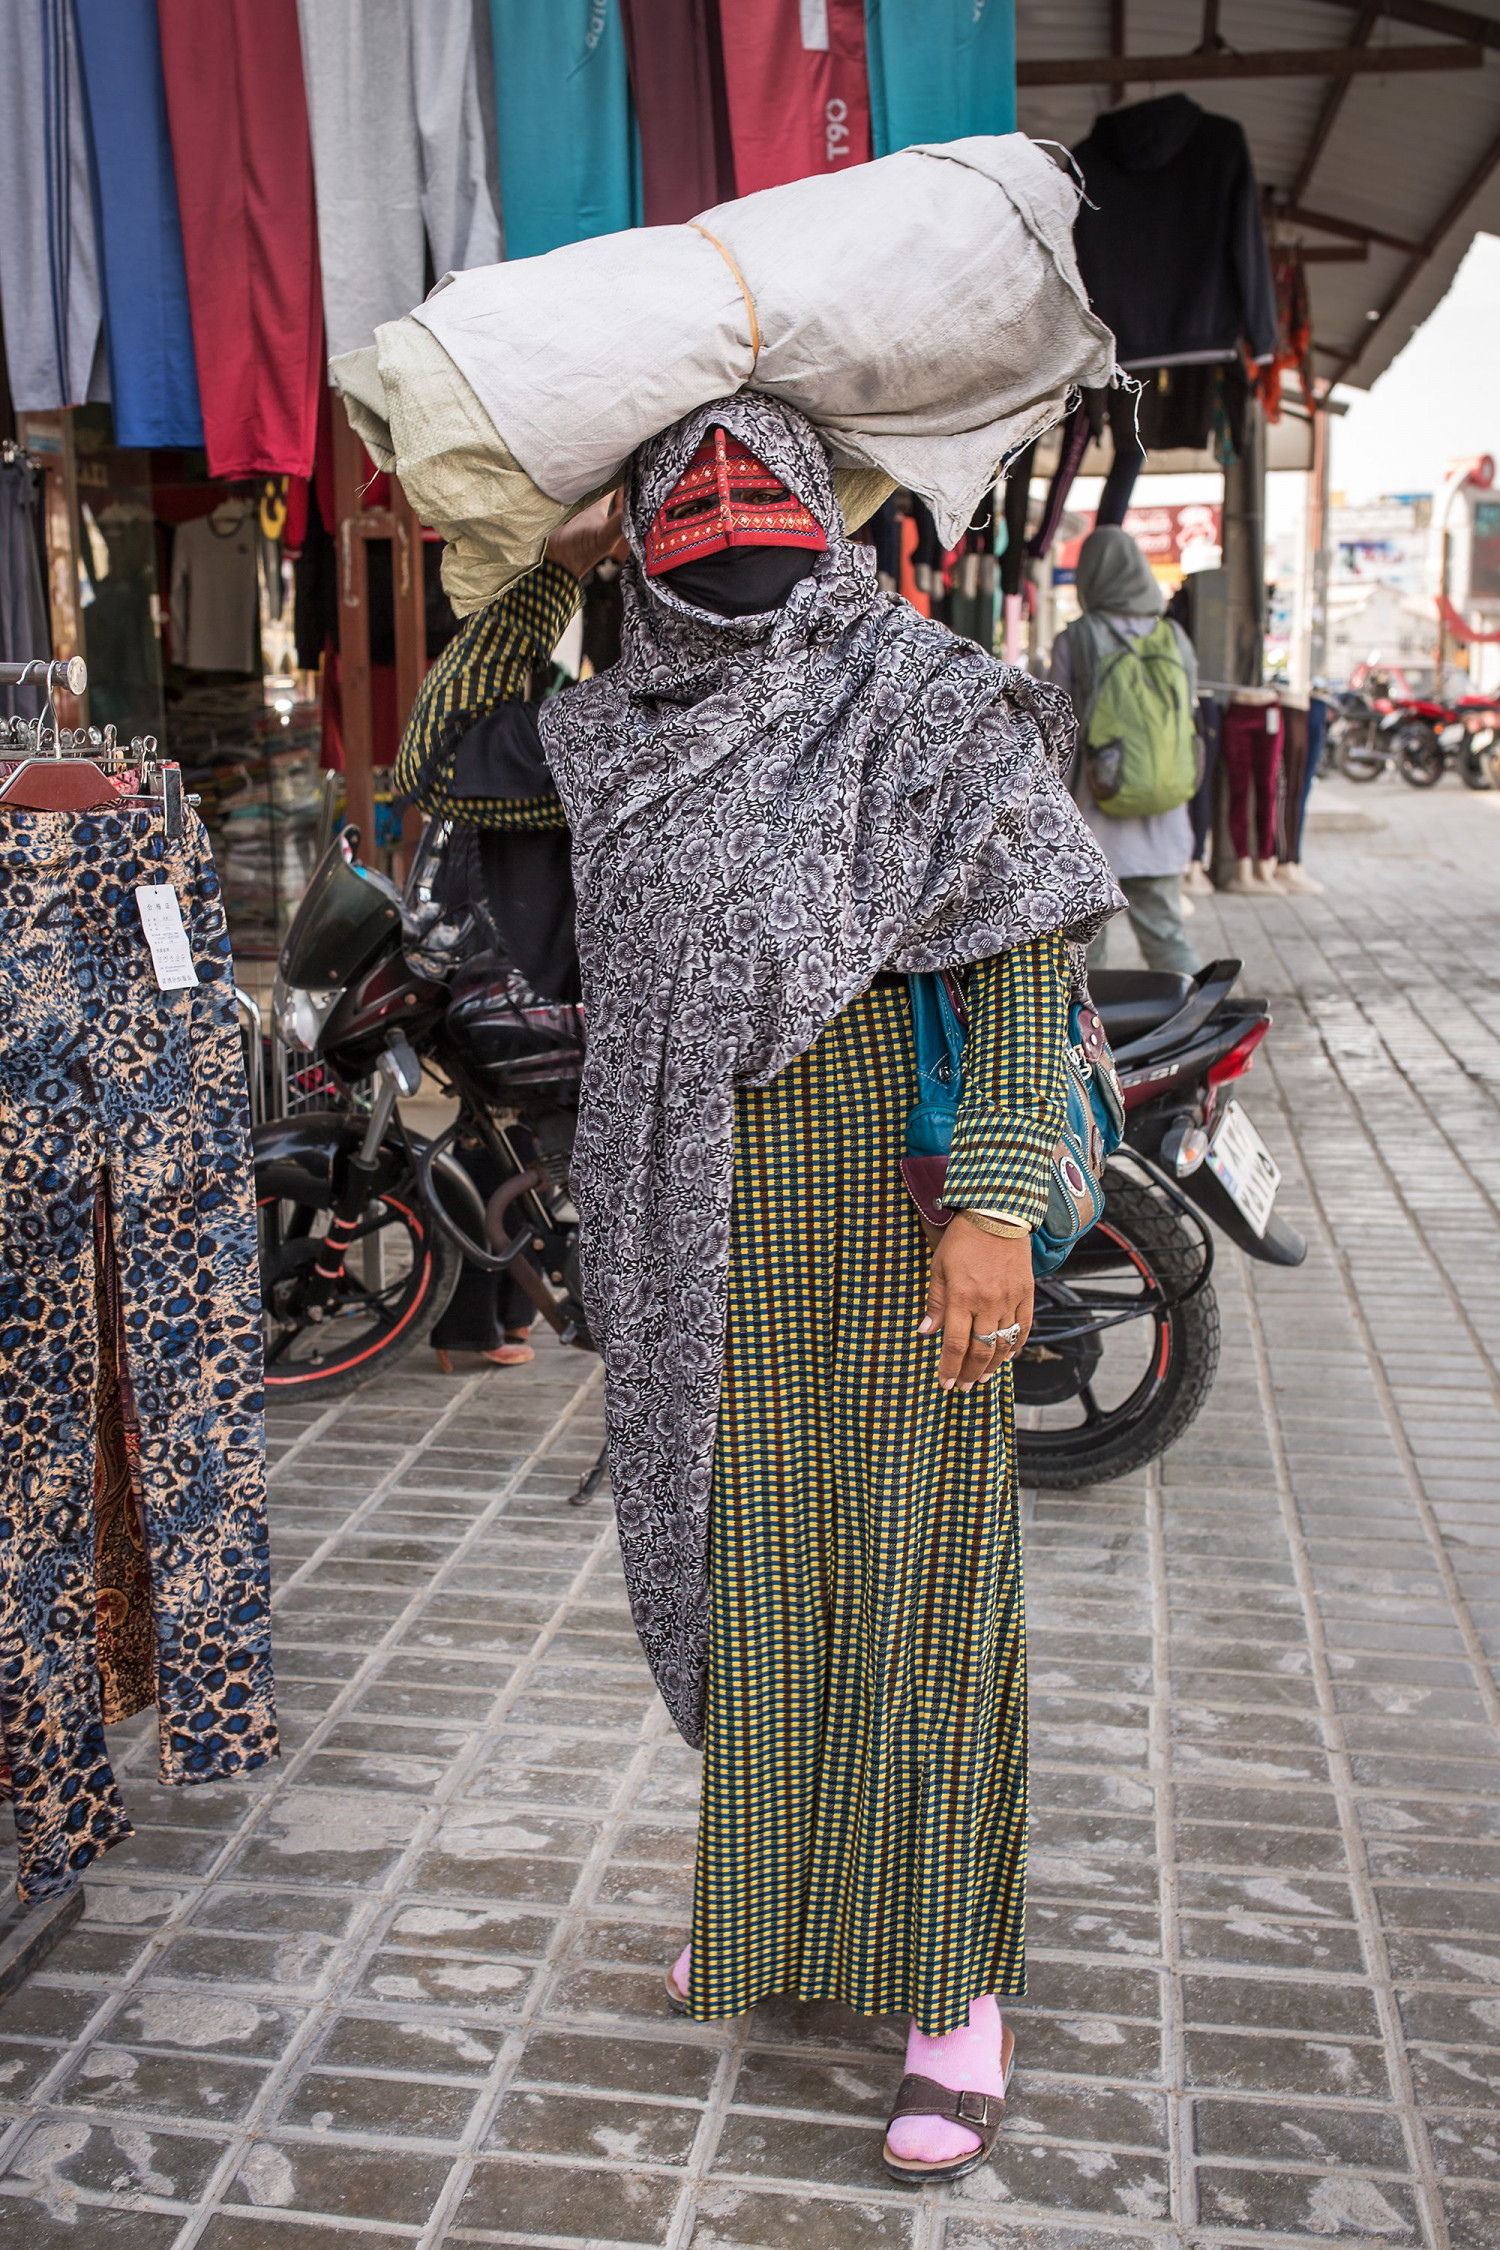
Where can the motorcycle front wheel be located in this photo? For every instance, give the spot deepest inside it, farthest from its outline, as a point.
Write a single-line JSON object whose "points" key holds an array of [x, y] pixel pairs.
{"points": [[1123, 1347], [398, 1275]]}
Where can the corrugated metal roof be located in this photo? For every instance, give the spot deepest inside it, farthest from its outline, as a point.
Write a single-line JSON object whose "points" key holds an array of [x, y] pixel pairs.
{"points": [[1397, 158]]}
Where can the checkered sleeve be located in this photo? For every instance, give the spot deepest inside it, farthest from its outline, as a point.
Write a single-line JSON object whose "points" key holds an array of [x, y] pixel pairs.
{"points": [[491, 661], [1013, 1102]]}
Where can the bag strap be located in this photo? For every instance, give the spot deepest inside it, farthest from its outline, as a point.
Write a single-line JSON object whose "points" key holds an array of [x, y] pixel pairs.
{"points": [[939, 1017]]}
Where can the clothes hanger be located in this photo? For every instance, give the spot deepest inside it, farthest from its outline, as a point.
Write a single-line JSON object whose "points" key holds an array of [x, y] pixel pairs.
{"points": [[58, 771]]}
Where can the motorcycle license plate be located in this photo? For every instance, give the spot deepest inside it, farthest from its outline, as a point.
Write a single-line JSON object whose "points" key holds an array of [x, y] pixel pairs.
{"points": [[1244, 1167]]}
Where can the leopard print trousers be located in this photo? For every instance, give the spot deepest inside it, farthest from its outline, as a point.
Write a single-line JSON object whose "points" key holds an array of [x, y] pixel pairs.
{"points": [[117, 1096]]}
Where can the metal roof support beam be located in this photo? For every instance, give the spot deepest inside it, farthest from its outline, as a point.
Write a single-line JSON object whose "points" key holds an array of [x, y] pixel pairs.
{"points": [[1426, 15], [1270, 62], [1298, 215], [1116, 44], [1333, 102], [1462, 196]]}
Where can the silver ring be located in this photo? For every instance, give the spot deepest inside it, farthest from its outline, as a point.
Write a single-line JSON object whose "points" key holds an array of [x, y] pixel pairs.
{"points": [[1002, 1335]]}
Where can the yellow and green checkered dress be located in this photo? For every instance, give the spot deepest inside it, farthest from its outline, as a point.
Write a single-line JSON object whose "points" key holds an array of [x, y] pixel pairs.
{"points": [[863, 1825]]}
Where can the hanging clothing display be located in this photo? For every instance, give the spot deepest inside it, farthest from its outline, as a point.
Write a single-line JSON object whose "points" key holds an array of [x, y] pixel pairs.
{"points": [[25, 627], [133, 1552], [399, 153], [1294, 341], [569, 165], [153, 381], [216, 592], [939, 69], [972, 579], [1177, 408], [1250, 742], [799, 93], [240, 144], [49, 258], [456, 133], [1201, 810], [677, 81], [1301, 759], [356, 60], [1169, 236]]}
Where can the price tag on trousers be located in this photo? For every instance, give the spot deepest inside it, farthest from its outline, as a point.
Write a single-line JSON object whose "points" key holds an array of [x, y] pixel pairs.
{"points": [[161, 919]]}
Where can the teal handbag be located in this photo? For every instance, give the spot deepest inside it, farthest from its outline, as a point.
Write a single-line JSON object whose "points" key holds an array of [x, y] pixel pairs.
{"points": [[1093, 1126]]}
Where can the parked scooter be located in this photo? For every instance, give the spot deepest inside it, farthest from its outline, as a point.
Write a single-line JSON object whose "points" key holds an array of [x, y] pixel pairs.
{"points": [[364, 1223]]}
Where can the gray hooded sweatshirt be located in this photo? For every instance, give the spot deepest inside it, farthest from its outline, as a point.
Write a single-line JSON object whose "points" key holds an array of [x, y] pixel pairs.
{"points": [[1116, 588]]}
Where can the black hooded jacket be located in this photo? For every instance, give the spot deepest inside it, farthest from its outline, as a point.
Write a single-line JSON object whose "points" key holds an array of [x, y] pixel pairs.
{"points": [[1174, 256]]}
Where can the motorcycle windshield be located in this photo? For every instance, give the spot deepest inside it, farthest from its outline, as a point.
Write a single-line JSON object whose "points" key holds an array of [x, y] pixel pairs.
{"points": [[347, 914]]}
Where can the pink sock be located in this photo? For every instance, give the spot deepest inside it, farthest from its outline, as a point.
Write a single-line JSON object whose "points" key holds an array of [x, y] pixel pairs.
{"points": [[966, 2058], [681, 1969]]}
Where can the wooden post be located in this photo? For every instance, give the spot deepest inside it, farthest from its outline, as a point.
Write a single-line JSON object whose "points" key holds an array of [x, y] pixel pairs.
{"points": [[357, 524], [49, 439], [1244, 542]]}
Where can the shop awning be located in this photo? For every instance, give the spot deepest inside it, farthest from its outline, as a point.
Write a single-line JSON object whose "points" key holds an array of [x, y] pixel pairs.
{"points": [[1375, 131]]}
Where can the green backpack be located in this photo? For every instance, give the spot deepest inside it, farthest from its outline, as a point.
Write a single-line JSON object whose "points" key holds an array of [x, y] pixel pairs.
{"points": [[1141, 745]]}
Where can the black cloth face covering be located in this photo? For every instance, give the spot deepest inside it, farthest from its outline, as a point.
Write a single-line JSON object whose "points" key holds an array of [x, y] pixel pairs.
{"points": [[740, 581]]}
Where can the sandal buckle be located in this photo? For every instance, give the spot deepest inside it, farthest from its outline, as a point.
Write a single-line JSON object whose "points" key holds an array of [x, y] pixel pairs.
{"points": [[973, 2109]]}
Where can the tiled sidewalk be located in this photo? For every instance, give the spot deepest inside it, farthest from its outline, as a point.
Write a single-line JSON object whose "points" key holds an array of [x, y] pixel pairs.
{"points": [[407, 1989]]}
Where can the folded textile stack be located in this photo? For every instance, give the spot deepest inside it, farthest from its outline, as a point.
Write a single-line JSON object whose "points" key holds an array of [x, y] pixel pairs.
{"points": [[260, 800], [924, 311]]}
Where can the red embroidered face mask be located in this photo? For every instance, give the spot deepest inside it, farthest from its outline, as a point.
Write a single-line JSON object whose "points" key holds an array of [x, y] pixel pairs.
{"points": [[726, 498]]}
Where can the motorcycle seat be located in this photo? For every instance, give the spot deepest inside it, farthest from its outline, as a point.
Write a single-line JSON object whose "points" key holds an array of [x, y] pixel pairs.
{"points": [[1134, 1001]]}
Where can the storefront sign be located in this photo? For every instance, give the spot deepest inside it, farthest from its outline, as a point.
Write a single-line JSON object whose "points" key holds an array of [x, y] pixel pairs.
{"points": [[1174, 540], [1484, 558]]}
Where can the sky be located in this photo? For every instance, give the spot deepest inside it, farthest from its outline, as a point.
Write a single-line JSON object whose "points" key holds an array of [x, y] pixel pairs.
{"points": [[1440, 397]]}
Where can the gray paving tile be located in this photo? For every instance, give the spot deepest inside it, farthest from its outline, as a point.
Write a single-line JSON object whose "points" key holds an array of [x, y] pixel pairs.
{"points": [[416, 1968]]}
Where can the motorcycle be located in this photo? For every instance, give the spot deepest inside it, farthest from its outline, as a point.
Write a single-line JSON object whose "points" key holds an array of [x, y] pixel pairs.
{"points": [[364, 1223], [1421, 740], [1355, 744], [1471, 742]]}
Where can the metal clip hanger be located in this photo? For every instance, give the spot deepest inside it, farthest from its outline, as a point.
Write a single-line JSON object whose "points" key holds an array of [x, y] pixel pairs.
{"points": [[59, 771]]}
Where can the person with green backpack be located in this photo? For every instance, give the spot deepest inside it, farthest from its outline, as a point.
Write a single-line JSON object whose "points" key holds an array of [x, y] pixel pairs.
{"points": [[1132, 677]]}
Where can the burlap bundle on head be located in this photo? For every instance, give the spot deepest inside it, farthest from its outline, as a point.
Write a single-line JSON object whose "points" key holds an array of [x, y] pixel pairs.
{"points": [[924, 312]]}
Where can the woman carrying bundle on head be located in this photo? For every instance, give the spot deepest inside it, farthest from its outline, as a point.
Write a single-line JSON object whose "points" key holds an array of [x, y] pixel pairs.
{"points": [[790, 793]]}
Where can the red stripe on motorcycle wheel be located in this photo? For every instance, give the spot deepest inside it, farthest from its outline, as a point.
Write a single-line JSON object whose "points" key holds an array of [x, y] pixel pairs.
{"points": [[317, 1374], [1146, 1274]]}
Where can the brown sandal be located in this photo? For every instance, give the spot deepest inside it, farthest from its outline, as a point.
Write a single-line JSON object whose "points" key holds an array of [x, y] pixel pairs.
{"points": [[980, 2113]]}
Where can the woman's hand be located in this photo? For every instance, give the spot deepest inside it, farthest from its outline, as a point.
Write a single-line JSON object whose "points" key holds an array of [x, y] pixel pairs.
{"points": [[978, 1283], [588, 537]]}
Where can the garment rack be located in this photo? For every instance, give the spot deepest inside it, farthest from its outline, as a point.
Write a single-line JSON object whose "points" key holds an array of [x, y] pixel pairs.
{"points": [[39, 745]]}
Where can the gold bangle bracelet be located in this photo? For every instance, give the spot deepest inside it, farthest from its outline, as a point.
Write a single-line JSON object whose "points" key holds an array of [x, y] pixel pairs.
{"points": [[991, 1222]]}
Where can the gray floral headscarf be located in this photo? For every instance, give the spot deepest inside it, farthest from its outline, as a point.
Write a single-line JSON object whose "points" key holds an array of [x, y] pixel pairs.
{"points": [[766, 812]]}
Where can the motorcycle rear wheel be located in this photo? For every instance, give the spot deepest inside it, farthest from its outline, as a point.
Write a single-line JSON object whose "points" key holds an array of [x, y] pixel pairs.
{"points": [[1155, 1371], [399, 1274], [1419, 755]]}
